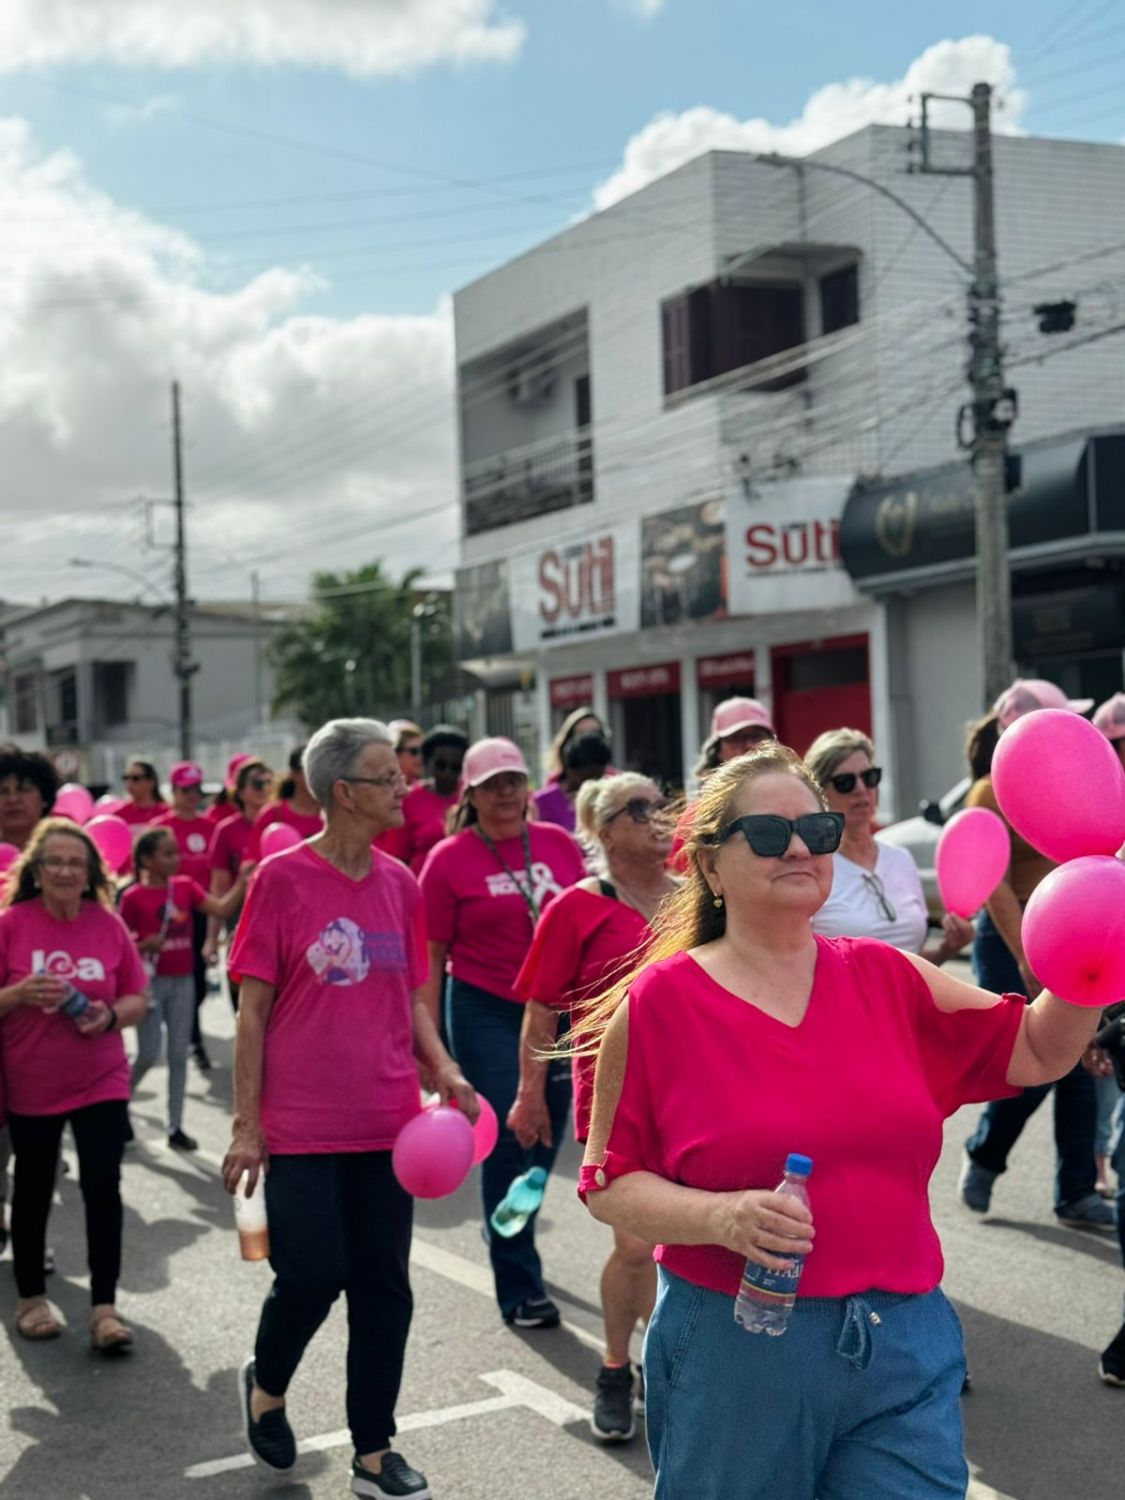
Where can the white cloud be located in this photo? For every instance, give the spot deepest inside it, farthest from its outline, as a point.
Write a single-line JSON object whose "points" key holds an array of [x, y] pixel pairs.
{"points": [[363, 38], [298, 426], [837, 109], [645, 9]]}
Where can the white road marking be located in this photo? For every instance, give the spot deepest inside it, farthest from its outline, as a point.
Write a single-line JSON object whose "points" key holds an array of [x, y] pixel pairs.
{"points": [[980, 1491], [516, 1391]]}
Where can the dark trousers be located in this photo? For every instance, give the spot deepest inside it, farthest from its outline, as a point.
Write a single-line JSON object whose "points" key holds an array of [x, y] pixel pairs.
{"points": [[99, 1135], [198, 970], [339, 1223], [485, 1033], [1076, 1110]]}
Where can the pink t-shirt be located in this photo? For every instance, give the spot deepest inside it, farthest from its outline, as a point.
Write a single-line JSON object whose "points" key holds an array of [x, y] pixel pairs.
{"points": [[424, 812], [229, 843], [582, 942], [308, 825], [474, 905], [193, 835], [344, 958], [143, 910], [50, 1068], [141, 817], [717, 1093]]}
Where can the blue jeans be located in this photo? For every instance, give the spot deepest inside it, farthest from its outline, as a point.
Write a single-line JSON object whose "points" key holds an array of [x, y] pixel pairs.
{"points": [[1076, 1110], [858, 1400], [484, 1031]]}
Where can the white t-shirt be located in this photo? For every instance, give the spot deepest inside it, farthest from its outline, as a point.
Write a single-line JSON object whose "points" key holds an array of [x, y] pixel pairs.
{"points": [[853, 908]]}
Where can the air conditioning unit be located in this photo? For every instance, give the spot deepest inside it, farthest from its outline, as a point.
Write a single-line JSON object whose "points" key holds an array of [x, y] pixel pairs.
{"points": [[532, 384]]}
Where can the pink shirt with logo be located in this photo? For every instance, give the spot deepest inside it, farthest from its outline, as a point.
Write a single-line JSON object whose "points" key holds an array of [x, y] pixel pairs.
{"points": [[344, 958], [229, 843], [193, 835], [308, 825], [475, 906], [49, 1067], [717, 1093], [143, 910]]}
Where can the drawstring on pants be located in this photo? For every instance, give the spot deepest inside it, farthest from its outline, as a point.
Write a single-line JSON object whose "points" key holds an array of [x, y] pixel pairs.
{"points": [[855, 1343]]}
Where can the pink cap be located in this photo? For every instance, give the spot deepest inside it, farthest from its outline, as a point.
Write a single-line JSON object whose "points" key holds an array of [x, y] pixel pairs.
{"points": [[734, 714], [1110, 717], [1027, 694], [236, 763], [186, 773], [488, 758]]}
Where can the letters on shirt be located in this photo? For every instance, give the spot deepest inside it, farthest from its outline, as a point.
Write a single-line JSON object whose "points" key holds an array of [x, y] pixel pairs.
{"points": [[344, 954], [543, 884], [63, 966]]}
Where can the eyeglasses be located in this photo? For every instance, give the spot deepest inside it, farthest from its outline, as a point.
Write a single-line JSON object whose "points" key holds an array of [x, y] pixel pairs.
{"points": [[390, 779], [876, 886], [769, 836], [260, 783], [845, 783], [57, 866], [134, 776], [411, 750], [640, 809]]}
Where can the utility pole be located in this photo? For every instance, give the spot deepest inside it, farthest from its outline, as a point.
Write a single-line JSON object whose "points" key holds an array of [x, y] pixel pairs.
{"points": [[256, 597], [993, 406], [183, 666]]}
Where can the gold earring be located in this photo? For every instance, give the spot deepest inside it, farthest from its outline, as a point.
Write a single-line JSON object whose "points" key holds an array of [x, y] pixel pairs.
{"points": [[718, 901]]}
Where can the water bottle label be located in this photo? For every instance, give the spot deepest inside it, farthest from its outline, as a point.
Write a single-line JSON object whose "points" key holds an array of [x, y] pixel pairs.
{"points": [[779, 1284]]}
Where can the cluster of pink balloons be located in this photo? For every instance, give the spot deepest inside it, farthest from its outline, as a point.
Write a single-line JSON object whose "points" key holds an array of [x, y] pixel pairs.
{"points": [[1060, 784], [279, 836], [436, 1149], [111, 834]]}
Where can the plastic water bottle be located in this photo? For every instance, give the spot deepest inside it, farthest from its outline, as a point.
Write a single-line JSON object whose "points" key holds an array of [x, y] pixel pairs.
{"points": [[75, 1004], [250, 1220], [519, 1202], [765, 1298]]}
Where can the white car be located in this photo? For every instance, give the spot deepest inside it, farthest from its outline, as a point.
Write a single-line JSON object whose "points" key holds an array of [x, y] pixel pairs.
{"points": [[920, 836]]}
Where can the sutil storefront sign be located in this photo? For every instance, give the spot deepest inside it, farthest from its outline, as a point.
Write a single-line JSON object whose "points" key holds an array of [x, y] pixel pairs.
{"points": [[575, 590], [783, 547]]}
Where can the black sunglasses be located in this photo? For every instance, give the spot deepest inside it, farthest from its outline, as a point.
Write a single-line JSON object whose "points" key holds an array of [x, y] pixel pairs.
{"points": [[260, 783], [769, 835], [640, 809], [846, 782]]}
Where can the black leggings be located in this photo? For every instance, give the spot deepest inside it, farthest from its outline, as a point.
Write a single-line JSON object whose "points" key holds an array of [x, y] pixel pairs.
{"points": [[199, 971], [99, 1135], [339, 1223]]}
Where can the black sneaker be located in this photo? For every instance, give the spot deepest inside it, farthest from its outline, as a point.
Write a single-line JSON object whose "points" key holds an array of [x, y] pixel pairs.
{"points": [[1111, 1366], [270, 1439], [202, 1061], [533, 1312], [179, 1140], [396, 1478], [612, 1421]]}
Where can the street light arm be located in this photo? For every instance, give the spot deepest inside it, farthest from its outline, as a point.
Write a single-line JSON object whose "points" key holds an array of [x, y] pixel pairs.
{"points": [[774, 159], [127, 572]]}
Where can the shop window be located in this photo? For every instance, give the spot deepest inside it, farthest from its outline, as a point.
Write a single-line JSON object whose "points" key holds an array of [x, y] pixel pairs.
{"points": [[839, 299], [728, 325]]}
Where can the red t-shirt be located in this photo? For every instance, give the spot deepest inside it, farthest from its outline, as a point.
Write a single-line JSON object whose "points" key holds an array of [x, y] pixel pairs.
{"points": [[582, 943], [141, 817], [193, 835], [474, 905], [229, 843], [424, 812], [717, 1093], [344, 958], [49, 1067], [143, 910], [308, 825]]}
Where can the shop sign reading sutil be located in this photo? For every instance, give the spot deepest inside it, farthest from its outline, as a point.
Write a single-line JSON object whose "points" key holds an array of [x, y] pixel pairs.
{"points": [[783, 547], [574, 590]]}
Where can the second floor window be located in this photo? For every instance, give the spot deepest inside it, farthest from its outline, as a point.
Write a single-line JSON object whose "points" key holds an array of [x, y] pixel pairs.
{"points": [[727, 325]]}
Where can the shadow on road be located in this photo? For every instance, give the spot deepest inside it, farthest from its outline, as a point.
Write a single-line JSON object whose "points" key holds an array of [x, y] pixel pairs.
{"points": [[1101, 1247]]}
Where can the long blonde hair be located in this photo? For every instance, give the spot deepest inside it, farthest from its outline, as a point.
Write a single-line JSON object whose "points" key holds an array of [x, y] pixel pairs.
{"points": [[690, 918]]}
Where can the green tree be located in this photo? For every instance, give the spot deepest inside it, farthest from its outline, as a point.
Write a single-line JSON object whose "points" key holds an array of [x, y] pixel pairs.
{"points": [[350, 653]]}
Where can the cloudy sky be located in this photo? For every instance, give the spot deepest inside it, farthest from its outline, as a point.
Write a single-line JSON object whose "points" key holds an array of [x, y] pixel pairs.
{"points": [[271, 201]]}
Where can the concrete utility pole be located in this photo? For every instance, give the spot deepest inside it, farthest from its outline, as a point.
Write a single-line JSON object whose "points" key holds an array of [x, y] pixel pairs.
{"points": [[182, 664], [993, 407]]}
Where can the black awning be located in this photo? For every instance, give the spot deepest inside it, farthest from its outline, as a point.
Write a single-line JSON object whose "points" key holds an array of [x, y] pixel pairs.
{"points": [[1070, 500]]}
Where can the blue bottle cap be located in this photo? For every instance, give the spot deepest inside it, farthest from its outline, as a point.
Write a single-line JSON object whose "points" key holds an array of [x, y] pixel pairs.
{"points": [[798, 1165]]}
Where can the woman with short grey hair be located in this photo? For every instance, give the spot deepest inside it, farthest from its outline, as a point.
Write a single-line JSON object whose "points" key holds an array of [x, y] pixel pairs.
{"points": [[332, 1030], [876, 889]]}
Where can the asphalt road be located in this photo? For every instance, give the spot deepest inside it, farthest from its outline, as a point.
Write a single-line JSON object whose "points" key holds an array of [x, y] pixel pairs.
{"points": [[487, 1413]]}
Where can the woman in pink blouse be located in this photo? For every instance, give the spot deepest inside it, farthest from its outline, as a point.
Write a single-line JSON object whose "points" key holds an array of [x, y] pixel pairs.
{"points": [[745, 1038]]}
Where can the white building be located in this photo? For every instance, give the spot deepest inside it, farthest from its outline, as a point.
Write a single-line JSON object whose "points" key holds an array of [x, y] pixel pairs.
{"points": [[664, 410], [90, 682]]}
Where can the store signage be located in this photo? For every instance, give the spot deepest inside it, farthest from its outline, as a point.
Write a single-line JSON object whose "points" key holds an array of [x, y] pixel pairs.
{"points": [[725, 671], [571, 692], [644, 682], [783, 547], [575, 589]]}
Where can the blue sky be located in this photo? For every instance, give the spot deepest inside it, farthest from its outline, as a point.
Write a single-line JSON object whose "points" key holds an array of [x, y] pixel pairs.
{"points": [[272, 203]]}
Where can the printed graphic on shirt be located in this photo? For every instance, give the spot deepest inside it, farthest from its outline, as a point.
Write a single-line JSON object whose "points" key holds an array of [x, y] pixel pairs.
{"points": [[196, 843], [345, 954], [63, 966], [543, 884]]}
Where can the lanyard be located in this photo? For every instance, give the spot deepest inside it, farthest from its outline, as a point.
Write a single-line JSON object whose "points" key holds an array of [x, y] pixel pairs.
{"points": [[526, 888]]}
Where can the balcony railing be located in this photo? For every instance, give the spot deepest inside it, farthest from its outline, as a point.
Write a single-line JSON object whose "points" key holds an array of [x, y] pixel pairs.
{"points": [[531, 482]]}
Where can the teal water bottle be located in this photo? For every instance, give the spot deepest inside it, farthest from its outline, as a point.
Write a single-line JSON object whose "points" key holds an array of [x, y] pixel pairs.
{"points": [[519, 1203]]}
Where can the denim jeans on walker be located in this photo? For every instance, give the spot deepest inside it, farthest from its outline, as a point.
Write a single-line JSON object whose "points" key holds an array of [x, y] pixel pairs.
{"points": [[858, 1400]]}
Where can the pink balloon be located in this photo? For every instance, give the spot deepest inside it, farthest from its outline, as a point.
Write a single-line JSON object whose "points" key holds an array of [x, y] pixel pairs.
{"points": [[486, 1131], [108, 806], [1060, 784], [972, 859], [279, 836], [1074, 931], [114, 839], [433, 1153], [8, 856], [73, 802]]}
